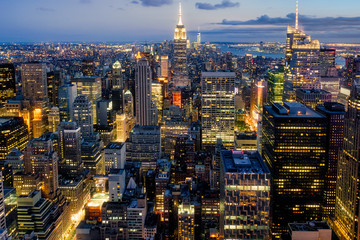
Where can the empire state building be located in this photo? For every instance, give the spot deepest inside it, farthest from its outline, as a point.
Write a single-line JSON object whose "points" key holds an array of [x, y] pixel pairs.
{"points": [[180, 70]]}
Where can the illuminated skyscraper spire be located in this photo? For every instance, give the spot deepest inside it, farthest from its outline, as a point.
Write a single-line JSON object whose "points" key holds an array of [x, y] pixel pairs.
{"points": [[180, 15], [297, 15]]}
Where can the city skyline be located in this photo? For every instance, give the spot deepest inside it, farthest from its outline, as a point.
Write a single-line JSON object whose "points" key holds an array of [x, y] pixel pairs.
{"points": [[154, 20]]}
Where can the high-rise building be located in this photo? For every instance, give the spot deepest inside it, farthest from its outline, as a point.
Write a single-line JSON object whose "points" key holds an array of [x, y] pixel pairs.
{"points": [[164, 66], [334, 113], [186, 221], [13, 134], [294, 148], [92, 156], [55, 79], [244, 196], [40, 158], [88, 67], [70, 149], [117, 93], [218, 108], [53, 119], [180, 78], [34, 81], [143, 78], [67, 95], [327, 60], [303, 63], [347, 205], [275, 81], [312, 97], [7, 82], [83, 116], [144, 146], [115, 156], [91, 87], [116, 184]]}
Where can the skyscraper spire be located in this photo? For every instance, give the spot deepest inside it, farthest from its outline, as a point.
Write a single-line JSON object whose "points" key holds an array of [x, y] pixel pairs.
{"points": [[297, 15], [180, 15]]}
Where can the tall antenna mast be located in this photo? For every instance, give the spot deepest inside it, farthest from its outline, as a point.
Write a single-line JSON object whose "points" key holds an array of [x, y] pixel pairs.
{"points": [[297, 15]]}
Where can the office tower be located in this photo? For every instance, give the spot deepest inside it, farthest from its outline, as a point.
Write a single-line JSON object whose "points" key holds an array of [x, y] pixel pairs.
{"points": [[302, 62], [129, 104], [88, 67], [180, 78], [116, 184], [2, 205], [15, 159], [346, 223], [352, 70], [34, 81], [162, 179], [53, 119], [40, 158], [91, 87], [186, 221], [115, 156], [198, 38], [218, 108], [103, 112], [275, 81], [13, 134], [157, 98], [26, 183], [117, 93], [55, 79], [122, 129], [294, 148], [144, 146], [327, 60], [164, 66], [38, 118], [244, 195], [70, 148], [312, 97], [92, 156], [11, 211], [344, 96], [41, 216], [143, 78], [176, 98], [334, 113], [83, 115], [7, 82], [67, 95], [136, 214]]}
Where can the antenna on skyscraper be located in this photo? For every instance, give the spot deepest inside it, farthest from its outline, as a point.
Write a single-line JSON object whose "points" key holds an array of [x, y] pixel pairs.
{"points": [[180, 15], [297, 15]]}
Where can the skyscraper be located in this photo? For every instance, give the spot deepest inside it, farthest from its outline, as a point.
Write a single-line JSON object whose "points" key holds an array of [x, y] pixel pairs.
{"points": [[143, 78], [180, 40], [294, 148], [347, 205], [302, 61], [7, 82], [2, 205], [70, 149], [83, 115], [218, 108], [67, 95], [117, 93], [40, 158], [334, 113], [34, 81], [244, 196]]}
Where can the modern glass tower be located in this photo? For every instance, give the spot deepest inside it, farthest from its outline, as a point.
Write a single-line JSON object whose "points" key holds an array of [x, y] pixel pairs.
{"points": [[218, 108], [347, 206], [294, 148], [7, 82]]}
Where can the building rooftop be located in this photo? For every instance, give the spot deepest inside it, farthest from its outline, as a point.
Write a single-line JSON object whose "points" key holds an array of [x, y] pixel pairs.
{"points": [[115, 145], [312, 91], [243, 162], [292, 110], [308, 227]]}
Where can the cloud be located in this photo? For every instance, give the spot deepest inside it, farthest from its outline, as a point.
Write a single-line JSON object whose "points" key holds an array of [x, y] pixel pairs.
{"points": [[43, 9], [308, 22], [223, 4], [153, 3]]}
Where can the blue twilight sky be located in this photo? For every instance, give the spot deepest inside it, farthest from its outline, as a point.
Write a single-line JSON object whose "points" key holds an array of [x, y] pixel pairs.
{"points": [[154, 20]]}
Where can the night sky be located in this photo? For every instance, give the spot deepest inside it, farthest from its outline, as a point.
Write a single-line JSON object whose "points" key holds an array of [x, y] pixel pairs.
{"points": [[155, 20]]}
